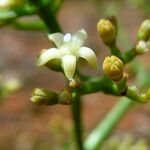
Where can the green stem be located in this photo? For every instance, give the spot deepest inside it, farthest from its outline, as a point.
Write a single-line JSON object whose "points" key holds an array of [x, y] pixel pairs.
{"points": [[76, 114], [115, 51], [47, 15], [129, 55], [126, 57], [133, 93], [7, 16], [101, 132], [97, 84], [34, 26], [50, 20]]}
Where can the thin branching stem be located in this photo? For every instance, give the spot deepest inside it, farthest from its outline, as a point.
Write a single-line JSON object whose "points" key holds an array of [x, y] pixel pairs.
{"points": [[46, 14], [96, 138], [76, 114]]}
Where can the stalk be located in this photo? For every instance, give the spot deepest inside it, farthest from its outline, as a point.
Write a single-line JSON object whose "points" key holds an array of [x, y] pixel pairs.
{"points": [[76, 115], [47, 15], [95, 140]]}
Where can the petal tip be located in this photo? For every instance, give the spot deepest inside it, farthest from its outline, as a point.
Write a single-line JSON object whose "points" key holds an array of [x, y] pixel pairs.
{"points": [[38, 62], [69, 66]]}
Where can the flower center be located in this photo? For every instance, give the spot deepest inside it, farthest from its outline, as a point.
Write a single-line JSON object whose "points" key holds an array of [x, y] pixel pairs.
{"points": [[67, 37], [65, 50]]}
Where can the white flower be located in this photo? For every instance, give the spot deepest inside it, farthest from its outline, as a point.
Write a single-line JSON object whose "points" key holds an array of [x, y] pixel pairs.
{"points": [[69, 49]]}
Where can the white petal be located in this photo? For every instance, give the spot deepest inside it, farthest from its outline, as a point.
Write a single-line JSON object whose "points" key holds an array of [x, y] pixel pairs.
{"points": [[69, 65], [57, 38], [79, 37], [67, 37], [89, 55], [48, 55]]}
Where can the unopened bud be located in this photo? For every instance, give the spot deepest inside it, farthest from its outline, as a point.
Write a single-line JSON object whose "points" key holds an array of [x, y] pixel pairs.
{"points": [[54, 64], [144, 31], [75, 82], [141, 47], [42, 96], [107, 31], [65, 97], [113, 68], [132, 92]]}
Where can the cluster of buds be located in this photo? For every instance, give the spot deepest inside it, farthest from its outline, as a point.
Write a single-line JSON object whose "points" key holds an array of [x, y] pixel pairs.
{"points": [[42, 96], [143, 36], [69, 48], [63, 58], [113, 66], [134, 93]]}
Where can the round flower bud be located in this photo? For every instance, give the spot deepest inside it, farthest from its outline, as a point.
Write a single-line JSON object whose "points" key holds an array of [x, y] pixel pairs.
{"points": [[107, 31], [113, 68], [65, 97], [144, 30], [44, 97], [141, 47], [54, 65]]}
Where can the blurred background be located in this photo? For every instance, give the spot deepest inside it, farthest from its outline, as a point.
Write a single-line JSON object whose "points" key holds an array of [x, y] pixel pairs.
{"points": [[26, 126]]}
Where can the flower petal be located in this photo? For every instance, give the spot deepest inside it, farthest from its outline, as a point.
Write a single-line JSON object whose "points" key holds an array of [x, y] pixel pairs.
{"points": [[47, 55], [57, 38], [69, 65], [79, 37], [67, 37], [89, 55]]}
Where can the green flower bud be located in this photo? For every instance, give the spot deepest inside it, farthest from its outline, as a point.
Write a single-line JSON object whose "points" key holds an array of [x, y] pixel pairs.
{"points": [[132, 92], [65, 97], [11, 4], [42, 96], [113, 68], [141, 47], [107, 31], [54, 65], [144, 31]]}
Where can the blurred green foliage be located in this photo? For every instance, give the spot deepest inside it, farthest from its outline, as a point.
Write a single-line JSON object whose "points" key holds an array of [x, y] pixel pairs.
{"points": [[128, 142]]}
